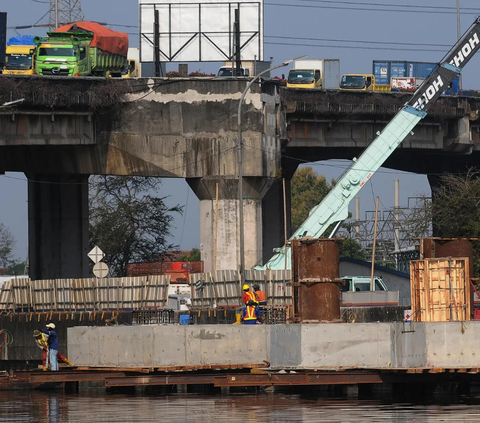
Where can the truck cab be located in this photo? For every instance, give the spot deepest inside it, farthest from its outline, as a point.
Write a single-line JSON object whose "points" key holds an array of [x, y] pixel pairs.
{"points": [[304, 78], [20, 60], [361, 82], [63, 54], [362, 283]]}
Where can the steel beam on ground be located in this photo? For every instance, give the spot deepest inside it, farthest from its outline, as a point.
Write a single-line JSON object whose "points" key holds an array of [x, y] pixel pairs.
{"points": [[72, 376], [285, 379], [193, 379]]}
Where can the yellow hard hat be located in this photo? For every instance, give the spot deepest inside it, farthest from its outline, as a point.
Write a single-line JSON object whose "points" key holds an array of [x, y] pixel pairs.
{"points": [[245, 287]]}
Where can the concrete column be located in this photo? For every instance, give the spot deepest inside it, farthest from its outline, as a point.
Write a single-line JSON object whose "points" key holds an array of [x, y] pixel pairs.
{"points": [[57, 226], [228, 225], [272, 211]]}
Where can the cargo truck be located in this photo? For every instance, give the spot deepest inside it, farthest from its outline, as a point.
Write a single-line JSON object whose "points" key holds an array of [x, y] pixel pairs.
{"points": [[20, 59], [132, 69], [320, 73], [362, 82], [82, 49]]}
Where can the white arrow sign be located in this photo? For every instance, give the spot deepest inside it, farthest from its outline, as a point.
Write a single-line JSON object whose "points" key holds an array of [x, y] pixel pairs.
{"points": [[96, 254]]}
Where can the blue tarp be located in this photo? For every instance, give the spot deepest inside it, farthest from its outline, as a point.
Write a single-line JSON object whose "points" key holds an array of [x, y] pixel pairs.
{"points": [[21, 40]]}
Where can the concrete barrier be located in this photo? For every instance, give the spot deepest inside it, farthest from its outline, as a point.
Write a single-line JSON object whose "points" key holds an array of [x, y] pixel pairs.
{"points": [[366, 345]]}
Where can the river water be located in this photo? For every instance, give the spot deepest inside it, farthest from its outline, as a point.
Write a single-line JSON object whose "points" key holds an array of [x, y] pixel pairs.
{"points": [[94, 405]]}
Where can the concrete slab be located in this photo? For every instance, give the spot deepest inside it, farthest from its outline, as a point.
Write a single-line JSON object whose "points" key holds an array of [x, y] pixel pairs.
{"points": [[367, 345], [345, 344]]}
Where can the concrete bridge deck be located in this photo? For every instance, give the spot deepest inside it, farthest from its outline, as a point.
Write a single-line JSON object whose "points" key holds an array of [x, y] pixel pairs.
{"points": [[67, 129]]}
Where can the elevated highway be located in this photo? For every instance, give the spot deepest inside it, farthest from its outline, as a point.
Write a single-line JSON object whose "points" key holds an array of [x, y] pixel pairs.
{"points": [[68, 129]]}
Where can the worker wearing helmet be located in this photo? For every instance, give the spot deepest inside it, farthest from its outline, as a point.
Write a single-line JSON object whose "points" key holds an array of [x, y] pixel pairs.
{"points": [[52, 345], [247, 295], [261, 296], [251, 313]]}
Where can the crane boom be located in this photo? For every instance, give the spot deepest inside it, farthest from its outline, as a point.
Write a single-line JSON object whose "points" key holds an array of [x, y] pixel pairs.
{"points": [[334, 207]]}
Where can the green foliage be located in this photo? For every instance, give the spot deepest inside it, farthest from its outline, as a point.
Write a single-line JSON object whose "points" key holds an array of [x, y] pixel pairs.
{"points": [[308, 189], [6, 247], [352, 248], [15, 269], [129, 221], [456, 209], [194, 255]]}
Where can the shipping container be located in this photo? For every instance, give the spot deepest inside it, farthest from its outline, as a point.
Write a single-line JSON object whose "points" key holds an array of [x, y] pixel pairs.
{"points": [[3, 38], [384, 70]]}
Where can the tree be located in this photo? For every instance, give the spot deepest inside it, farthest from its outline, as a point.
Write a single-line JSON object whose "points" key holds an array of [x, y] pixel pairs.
{"points": [[456, 209], [129, 221], [194, 255], [7, 242], [308, 189]]}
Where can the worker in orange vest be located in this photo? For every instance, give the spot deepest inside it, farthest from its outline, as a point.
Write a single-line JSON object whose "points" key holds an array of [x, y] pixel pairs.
{"points": [[251, 313], [261, 296]]}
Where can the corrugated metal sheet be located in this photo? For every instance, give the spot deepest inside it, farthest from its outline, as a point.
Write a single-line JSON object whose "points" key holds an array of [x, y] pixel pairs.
{"points": [[223, 287], [85, 294]]}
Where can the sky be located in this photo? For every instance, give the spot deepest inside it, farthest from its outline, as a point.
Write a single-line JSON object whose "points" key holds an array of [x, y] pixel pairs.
{"points": [[356, 32]]}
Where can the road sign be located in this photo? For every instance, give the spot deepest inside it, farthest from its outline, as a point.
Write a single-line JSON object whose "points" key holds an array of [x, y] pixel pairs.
{"points": [[100, 270], [96, 254]]}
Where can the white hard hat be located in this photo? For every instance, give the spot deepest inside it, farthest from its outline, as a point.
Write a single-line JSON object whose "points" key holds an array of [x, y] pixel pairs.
{"points": [[51, 325]]}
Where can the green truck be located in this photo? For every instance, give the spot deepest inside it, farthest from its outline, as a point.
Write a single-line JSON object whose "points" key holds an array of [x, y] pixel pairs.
{"points": [[82, 49]]}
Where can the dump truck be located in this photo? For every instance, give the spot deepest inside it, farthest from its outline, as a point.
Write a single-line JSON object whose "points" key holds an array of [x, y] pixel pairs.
{"points": [[20, 56], [362, 82], [82, 49], [318, 73]]}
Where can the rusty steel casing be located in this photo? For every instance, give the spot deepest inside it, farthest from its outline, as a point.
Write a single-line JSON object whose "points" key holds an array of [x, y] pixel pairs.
{"points": [[315, 279]]}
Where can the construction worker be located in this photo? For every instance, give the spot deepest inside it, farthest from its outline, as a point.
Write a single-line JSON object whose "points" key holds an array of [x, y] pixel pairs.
{"points": [[52, 342], [251, 313], [42, 342], [247, 295], [261, 296]]}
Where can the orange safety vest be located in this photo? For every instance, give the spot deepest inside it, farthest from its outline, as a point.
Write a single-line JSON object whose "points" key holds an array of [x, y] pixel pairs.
{"points": [[250, 314], [261, 296], [252, 296]]}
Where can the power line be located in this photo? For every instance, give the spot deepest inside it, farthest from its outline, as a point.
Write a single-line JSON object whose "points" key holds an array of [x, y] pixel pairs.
{"points": [[356, 47], [354, 41], [366, 9], [409, 6]]}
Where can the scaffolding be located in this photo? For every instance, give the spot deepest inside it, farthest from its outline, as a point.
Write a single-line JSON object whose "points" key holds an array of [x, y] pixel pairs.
{"points": [[397, 229]]}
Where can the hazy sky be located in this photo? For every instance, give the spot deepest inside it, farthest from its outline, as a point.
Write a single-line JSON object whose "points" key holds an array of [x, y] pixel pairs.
{"points": [[356, 32]]}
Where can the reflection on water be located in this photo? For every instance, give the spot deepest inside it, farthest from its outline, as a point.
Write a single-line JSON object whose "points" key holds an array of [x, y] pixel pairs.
{"points": [[94, 405]]}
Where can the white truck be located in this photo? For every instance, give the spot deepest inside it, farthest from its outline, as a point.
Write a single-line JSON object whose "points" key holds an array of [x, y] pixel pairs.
{"points": [[319, 73], [249, 68]]}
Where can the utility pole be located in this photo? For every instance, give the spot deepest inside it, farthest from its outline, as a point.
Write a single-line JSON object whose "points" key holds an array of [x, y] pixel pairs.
{"points": [[458, 39], [63, 12]]}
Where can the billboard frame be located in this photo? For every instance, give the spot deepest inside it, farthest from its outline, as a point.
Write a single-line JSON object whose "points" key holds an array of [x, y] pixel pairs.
{"points": [[190, 43]]}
